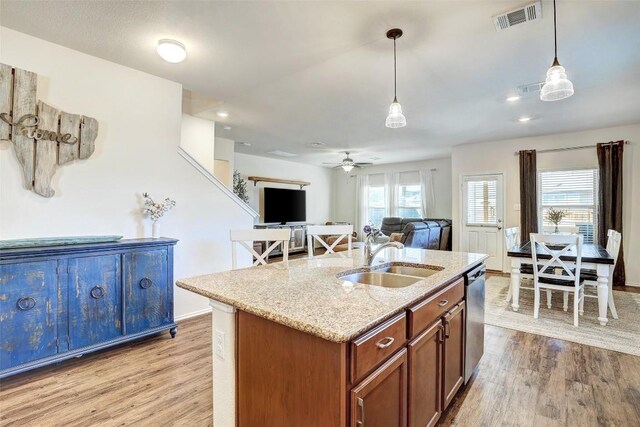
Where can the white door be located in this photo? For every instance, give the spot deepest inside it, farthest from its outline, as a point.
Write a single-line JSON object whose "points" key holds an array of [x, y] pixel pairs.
{"points": [[482, 217]]}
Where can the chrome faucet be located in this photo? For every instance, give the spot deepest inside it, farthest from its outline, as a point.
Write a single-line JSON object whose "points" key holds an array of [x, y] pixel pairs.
{"points": [[370, 254]]}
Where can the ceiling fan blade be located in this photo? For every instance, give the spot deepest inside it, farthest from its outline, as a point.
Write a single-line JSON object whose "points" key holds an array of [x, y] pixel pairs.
{"points": [[331, 163], [362, 164]]}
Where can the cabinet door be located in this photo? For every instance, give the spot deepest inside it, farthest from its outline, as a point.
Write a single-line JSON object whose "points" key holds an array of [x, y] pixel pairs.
{"points": [[147, 291], [95, 300], [453, 352], [425, 377], [28, 312], [380, 400]]}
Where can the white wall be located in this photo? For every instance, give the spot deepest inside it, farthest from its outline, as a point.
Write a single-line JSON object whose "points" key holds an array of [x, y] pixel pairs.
{"points": [[498, 156], [198, 139], [225, 151], [318, 193], [344, 186], [140, 126]]}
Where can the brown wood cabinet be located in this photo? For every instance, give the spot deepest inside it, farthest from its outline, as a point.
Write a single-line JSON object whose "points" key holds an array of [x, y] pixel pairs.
{"points": [[453, 351], [380, 400], [425, 377]]}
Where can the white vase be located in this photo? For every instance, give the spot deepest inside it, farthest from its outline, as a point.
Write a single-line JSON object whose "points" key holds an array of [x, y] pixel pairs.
{"points": [[156, 230]]}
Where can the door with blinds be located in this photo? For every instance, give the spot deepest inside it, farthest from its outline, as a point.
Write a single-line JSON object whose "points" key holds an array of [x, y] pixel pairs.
{"points": [[482, 218]]}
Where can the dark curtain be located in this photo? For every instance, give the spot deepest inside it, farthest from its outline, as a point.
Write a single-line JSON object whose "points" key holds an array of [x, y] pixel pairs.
{"points": [[610, 199], [528, 194]]}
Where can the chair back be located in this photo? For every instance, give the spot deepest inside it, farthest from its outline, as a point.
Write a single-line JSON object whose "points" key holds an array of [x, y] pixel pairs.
{"points": [[570, 229], [547, 251], [511, 237], [613, 244], [279, 236], [318, 232]]}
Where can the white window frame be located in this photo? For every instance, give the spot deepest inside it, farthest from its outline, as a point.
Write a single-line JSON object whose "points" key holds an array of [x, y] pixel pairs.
{"points": [[370, 206], [596, 195]]}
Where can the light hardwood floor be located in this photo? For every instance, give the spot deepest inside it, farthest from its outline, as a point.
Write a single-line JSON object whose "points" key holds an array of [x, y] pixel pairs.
{"points": [[523, 380]]}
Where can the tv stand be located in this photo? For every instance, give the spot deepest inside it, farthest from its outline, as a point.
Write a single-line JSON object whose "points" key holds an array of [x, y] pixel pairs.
{"points": [[297, 243]]}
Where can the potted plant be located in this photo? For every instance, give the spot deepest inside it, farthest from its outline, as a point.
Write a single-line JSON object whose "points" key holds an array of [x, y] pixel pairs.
{"points": [[555, 217]]}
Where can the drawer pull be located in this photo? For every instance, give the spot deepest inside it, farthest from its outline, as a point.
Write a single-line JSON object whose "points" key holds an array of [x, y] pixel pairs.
{"points": [[385, 342], [447, 329], [26, 303], [360, 423], [443, 303], [97, 292], [145, 283]]}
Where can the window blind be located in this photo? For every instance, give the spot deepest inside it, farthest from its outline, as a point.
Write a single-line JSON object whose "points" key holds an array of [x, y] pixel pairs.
{"points": [[482, 199]]}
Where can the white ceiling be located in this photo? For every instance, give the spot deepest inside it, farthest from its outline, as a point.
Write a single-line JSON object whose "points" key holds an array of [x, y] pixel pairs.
{"points": [[293, 73]]}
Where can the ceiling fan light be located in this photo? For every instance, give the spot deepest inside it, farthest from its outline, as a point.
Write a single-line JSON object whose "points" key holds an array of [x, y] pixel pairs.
{"points": [[557, 86], [347, 168], [395, 119]]}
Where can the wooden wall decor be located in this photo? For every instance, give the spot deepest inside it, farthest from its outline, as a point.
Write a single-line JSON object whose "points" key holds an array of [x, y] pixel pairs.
{"points": [[43, 137]]}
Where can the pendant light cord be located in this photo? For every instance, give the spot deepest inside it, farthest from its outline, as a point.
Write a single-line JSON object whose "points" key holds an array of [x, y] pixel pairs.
{"points": [[555, 33], [395, 78]]}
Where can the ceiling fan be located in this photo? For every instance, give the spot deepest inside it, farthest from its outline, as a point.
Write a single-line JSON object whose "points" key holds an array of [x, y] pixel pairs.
{"points": [[347, 163]]}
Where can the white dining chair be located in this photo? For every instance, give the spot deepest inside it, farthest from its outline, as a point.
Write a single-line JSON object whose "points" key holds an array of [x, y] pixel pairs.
{"points": [[565, 229], [278, 236], [556, 273], [614, 240], [512, 239], [320, 232]]}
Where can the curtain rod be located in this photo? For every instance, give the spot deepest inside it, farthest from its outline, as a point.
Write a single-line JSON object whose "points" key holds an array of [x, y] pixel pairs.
{"points": [[581, 147], [432, 170]]}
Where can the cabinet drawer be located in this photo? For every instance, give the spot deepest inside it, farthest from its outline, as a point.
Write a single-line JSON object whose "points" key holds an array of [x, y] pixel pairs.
{"points": [[425, 313], [374, 347]]}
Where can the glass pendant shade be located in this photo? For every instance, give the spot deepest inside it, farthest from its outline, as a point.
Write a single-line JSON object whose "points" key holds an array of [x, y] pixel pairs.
{"points": [[557, 86], [395, 119], [347, 168]]}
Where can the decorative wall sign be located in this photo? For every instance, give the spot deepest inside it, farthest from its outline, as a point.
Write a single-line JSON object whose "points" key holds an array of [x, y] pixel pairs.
{"points": [[43, 137]]}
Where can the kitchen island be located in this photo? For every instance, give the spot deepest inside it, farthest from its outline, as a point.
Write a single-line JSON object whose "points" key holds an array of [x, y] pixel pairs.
{"points": [[304, 343]]}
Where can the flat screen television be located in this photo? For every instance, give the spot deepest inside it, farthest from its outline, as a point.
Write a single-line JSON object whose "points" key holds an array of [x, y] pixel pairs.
{"points": [[283, 205]]}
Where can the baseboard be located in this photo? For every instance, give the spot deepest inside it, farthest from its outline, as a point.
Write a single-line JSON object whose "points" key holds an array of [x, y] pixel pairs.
{"points": [[633, 285], [193, 314]]}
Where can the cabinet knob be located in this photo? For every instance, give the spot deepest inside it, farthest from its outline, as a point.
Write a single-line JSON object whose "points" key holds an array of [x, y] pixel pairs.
{"points": [[145, 283], [26, 303], [97, 292]]}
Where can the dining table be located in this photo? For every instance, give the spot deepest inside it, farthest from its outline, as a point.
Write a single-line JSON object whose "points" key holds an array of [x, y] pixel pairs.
{"points": [[594, 257]]}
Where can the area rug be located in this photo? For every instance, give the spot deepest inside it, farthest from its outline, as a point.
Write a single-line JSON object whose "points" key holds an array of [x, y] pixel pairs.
{"points": [[621, 334]]}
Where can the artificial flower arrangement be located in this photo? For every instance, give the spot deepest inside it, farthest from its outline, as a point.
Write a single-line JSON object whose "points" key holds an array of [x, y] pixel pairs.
{"points": [[154, 209], [555, 216]]}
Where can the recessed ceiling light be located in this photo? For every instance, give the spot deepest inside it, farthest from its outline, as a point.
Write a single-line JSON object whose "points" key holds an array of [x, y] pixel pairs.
{"points": [[171, 50], [513, 98], [524, 119], [222, 114], [226, 127]]}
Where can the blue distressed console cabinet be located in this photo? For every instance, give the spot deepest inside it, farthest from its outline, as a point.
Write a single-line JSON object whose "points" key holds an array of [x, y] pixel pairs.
{"points": [[64, 301]]}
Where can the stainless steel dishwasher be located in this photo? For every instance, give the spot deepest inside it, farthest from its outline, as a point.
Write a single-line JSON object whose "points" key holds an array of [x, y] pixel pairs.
{"points": [[474, 282]]}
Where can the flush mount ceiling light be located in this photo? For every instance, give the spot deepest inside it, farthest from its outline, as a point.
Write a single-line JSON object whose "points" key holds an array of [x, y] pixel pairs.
{"points": [[557, 86], [513, 98], [524, 119], [395, 119], [171, 50], [222, 114]]}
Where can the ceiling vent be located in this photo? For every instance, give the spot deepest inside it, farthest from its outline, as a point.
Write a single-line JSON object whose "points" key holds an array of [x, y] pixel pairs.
{"points": [[528, 13], [530, 88]]}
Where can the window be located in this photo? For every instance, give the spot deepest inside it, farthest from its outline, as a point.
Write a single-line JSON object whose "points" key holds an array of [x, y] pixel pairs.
{"points": [[573, 191], [409, 201], [482, 199], [376, 208]]}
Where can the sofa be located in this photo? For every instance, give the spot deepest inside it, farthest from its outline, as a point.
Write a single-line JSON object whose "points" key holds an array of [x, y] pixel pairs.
{"points": [[426, 233]]}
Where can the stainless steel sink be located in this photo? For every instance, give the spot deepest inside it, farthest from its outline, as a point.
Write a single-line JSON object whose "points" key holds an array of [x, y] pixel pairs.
{"points": [[385, 280], [409, 271]]}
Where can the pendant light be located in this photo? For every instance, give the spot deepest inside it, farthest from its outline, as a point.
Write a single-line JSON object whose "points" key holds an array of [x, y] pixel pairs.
{"points": [[395, 119], [557, 86]]}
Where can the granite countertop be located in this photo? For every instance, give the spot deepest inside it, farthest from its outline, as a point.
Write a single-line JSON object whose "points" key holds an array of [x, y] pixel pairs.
{"points": [[305, 294]]}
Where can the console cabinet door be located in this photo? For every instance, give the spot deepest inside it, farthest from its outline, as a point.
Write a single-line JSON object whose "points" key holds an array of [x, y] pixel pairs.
{"points": [[28, 312], [453, 352], [147, 291], [380, 400], [95, 300], [425, 377]]}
